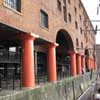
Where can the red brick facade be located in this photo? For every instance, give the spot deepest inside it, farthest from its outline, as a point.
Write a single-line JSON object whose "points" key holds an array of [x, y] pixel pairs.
{"points": [[28, 20], [78, 31]]}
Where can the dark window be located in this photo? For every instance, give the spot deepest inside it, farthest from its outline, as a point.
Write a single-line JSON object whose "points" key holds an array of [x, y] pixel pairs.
{"points": [[44, 18], [58, 5], [81, 44], [76, 25], [64, 1], [77, 42], [80, 17], [65, 14], [79, 4], [69, 17], [69, 1], [81, 30], [75, 10], [15, 4]]}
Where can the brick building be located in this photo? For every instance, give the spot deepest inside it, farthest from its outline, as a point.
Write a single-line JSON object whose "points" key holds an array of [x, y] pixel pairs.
{"points": [[57, 32]]}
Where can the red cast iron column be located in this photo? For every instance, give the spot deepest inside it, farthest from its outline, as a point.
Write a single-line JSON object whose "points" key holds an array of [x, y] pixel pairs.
{"points": [[78, 64], [27, 70], [83, 62], [73, 63], [51, 60]]}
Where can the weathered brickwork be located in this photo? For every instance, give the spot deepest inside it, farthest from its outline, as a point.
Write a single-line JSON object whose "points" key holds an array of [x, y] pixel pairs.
{"points": [[28, 20]]}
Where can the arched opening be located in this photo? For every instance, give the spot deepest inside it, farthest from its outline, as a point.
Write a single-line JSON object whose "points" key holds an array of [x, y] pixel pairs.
{"points": [[62, 53], [86, 59]]}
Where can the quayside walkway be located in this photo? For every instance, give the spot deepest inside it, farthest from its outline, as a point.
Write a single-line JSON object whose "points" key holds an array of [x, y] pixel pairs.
{"points": [[92, 92], [67, 89]]}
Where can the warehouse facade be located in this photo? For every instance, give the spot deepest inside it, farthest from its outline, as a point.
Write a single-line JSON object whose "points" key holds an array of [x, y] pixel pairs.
{"points": [[51, 39]]}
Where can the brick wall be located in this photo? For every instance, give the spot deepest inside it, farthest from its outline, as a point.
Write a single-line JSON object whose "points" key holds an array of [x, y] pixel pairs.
{"points": [[29, 20]]}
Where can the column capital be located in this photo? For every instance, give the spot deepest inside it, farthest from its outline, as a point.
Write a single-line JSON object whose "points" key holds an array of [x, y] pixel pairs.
{"points": [[53, 44], [79, 54], [34, 35], [71, 52]]}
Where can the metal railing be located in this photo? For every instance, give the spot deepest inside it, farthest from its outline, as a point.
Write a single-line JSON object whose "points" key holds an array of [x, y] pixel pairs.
{"points": [[41, 78], [11, 57], [63, 71], [10, 78]]}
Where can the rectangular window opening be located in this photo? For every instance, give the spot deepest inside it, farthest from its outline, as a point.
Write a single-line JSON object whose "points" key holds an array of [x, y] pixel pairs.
{"points": [[65, 14], [14, 4], [44, 18], [58, 5]]}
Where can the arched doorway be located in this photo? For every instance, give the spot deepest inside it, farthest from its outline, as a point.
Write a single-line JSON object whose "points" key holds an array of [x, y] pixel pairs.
{"points": [[62, 53]]}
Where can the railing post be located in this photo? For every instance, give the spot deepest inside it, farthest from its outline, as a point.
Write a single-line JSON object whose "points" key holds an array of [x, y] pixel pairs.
{"points": [[0, 81], [13, 78]]}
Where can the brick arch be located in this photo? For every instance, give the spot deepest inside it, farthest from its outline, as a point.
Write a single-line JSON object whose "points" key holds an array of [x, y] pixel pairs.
{"points": [[63, 58], [64, 39]]}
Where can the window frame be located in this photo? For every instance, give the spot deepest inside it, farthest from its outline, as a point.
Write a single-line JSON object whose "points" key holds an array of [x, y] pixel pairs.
{"points": [[42, 23], [15, 5]]}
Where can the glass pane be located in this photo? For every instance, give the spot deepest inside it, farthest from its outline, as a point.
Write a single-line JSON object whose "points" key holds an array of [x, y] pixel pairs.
{"points": [[13, 4], [44, 19]]}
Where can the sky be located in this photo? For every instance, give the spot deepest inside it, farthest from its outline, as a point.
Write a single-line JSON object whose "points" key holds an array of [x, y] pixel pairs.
{"points": [[91, 8]]}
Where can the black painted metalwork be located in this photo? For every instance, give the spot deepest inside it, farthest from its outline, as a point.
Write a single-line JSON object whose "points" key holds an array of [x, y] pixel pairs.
{"points": [[10, 68]]}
